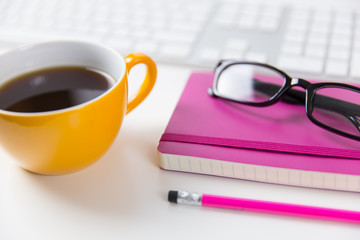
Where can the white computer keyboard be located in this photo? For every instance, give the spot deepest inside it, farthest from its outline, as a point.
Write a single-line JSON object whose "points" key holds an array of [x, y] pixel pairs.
{"points": [[322, 43]]}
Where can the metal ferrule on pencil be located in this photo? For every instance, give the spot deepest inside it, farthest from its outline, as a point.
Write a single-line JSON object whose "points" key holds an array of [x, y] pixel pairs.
{"points": [[183, 197]]}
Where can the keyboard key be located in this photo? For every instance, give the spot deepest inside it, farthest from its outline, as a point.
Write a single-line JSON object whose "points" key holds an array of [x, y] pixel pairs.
{"points": [[355, 71], [232, 54], [173, 50], [339, 53], [175, 36], [19, 38], [140, 33], [148, 47], [356, 43], [123, 45], [268, 24], [355, 63], [229, 8], [236, 44], [300, 14], [295, 36], [315, 50], [294, 48], [340, 41], [320, 26], [336, 68], [342, 29], [186, 27], [317, 38], [256, 57], [297, 25], [251, 9], [344, 16], [210, 55], [272, 11], [301, 64], [247, 21], [356, 57], [224, 22], [322, 15]]}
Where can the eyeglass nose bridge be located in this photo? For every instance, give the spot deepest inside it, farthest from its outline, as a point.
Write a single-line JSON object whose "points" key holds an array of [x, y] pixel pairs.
{"points": [[299, 82], [294, 96]]}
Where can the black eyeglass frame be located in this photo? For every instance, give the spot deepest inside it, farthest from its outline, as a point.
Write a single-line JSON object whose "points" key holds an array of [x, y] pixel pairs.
{"points": [[289, 82]]}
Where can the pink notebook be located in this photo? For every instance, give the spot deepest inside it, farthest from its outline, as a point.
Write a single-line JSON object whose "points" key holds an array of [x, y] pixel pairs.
{"points": [[276, 144]]}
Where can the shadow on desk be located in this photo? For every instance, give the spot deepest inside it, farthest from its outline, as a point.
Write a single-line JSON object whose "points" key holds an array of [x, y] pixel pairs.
{"points": [[106, 186]]}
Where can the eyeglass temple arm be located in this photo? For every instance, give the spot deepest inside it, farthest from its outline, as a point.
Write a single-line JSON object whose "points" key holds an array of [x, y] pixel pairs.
{"points": [[347, 109], [292, 96]]}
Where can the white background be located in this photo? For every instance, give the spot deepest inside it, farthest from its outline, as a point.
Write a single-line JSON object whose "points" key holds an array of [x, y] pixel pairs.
{"points": [[124, 194]]}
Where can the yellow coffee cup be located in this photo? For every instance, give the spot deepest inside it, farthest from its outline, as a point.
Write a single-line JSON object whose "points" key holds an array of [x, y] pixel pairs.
{"points": [[67, 140]]}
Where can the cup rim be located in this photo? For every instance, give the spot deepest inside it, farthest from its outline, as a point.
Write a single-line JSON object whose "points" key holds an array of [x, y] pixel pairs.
{"points": [[81, 105]]}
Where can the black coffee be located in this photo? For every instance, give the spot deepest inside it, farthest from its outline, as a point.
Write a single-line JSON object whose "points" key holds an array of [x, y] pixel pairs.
{"points": [[53, 88]]}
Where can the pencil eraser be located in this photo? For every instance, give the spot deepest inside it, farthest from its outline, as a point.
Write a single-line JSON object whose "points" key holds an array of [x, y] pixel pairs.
{"points": [[172, 196]]}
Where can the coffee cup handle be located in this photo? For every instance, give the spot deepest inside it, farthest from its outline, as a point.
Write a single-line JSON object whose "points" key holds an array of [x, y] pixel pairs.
{"points": [[148, 83]]}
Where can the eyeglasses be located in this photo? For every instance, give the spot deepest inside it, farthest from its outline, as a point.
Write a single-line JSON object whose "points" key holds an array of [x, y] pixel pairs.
{"points": [[332, 106]]}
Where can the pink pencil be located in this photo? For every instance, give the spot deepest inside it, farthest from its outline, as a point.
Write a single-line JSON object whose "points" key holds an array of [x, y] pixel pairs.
{"points": [[198, 199]]}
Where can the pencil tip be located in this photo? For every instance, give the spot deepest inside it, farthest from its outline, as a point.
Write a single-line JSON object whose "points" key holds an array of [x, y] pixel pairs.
{"points": [[172, 196]]}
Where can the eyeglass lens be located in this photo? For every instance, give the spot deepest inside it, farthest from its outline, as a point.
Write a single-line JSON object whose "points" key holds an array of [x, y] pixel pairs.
{"points": [[338, 108], [249, 83]]}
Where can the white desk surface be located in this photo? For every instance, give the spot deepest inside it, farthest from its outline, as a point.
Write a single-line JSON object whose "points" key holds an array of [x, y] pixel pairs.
{"points": [[124, 194]]}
